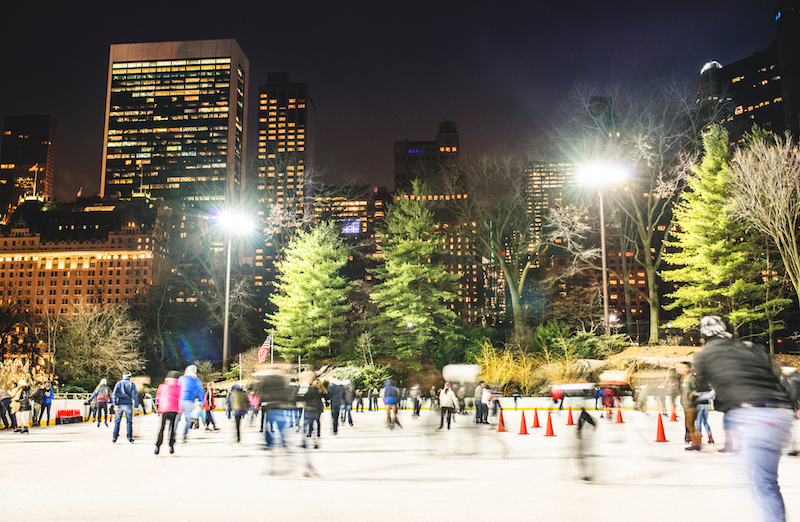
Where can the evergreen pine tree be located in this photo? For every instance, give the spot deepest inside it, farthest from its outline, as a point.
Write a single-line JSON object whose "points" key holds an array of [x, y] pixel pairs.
{"points": [[311, 296], [415, 286]]}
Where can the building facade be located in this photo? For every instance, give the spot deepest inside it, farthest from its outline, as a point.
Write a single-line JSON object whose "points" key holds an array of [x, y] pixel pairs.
{"points": [[420, 159], [56, 257], [175, 121], [27, 160]]}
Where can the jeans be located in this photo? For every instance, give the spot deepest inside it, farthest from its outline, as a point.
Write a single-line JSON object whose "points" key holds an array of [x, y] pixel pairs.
{"points": [[702, 419], [186, 408], [278, 417], [127, 409], [478, 411], [763, 433], [5, 409], [336, 410], [45, 408], [347, 414], [172, 417]]}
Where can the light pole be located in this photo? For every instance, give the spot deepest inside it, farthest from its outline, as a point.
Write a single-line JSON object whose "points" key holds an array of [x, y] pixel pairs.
{"points": [[602, 175], [234, 223]]}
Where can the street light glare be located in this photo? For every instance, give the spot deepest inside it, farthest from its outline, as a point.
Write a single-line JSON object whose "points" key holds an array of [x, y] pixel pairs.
{"points": [[602, 173], [235, 222]]}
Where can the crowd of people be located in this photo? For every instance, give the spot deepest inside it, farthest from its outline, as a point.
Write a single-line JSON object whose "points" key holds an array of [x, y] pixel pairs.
{"points": [[22, 408]]}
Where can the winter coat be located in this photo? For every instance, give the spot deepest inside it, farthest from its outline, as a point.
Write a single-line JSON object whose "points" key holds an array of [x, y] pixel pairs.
{"points": [[4, 395], [168, 396], [448, 399], [102, 393], [191, 388], [22, 396], [48, 396], [239, 402], [125, 393], [312, 399], [336, 392]]}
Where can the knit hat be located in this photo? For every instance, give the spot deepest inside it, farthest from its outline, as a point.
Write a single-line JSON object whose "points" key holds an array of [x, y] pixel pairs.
{"points": [[714, 326], [22, 382], [126, 375], [447, 385], [104, 381], [191, 370]]}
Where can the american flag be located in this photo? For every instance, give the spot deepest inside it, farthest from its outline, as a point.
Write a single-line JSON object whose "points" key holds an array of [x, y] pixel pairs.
{"points": [[265, 348]]}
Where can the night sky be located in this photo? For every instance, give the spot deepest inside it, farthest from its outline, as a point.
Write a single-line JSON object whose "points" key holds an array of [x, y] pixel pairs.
{"points": [[378, 71]]}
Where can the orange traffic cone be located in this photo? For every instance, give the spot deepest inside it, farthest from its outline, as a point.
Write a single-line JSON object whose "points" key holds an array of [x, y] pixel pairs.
{"points": [[619, 416], [660, 437], [536, 419], [523, 430], [570, 422], [501, 426], [673, 417], [549, 432]]}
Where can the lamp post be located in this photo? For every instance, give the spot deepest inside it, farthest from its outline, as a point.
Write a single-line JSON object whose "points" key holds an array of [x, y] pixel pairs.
{"points": [[234, 223], [602, 175]]}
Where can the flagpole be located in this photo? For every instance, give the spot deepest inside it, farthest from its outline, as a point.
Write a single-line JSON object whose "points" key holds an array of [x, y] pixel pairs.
{"points": [[272, 348], [240, 367]]}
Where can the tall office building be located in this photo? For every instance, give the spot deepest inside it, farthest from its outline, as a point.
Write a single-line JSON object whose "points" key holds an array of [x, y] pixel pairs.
{"points": [[27, 160], [176, 115], [284, 160], [420, 159], [743, 93], [787, 22]]}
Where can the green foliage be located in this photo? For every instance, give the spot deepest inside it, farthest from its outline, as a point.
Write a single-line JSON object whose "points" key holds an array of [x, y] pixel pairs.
{"points": [[86, 383], [74, 389], [719, 263], [311, 295], [369, 376], [464, 348], [548, 334], [413, 316]]}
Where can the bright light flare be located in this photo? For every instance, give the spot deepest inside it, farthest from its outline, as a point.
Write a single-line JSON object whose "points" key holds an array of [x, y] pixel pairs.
{"points": [[234, 221], [602, 173]]}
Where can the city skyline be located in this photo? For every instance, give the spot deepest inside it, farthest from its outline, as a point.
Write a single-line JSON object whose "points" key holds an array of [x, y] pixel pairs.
{"points": [[378, 77]]}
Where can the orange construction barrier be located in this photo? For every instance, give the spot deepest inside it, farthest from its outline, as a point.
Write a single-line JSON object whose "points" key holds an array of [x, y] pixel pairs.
{"points": [[523, 430], [660, 437], [549, 432], [619, 416], [536, 419], [570, 422], [673, 417], [501, 426]]}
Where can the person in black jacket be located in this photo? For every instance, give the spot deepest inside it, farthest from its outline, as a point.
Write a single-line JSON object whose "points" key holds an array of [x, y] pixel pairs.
{"points": [[757, 407], [336, 394]]}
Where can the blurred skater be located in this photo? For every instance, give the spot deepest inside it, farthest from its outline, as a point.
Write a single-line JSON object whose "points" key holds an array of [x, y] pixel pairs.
{"points": [[758, 408], [584, 444], [168, 398], [448, 403]]}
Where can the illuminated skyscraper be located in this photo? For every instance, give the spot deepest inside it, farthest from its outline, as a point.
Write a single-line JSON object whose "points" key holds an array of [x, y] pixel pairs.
{"points": [[420, 159], [27, 160], [285, 152], [176, 113]]}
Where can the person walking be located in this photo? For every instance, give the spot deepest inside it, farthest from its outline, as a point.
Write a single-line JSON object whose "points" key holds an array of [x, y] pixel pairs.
{"points": [[168, 398], [274, 390], [311, 395], [349, 397], [448, 402], [125, 398], [703, 406], [375, 397], [21, 395], [102, 396], [191, 390], [360, 400], [758, 408]]}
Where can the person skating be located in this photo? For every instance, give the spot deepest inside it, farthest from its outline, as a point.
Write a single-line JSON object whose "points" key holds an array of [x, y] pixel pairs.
{"points": [[168, 399], [102, 396], [448, 403], [191, 390], [21, 395], [391, 397], [125, 398], [758, 408]]}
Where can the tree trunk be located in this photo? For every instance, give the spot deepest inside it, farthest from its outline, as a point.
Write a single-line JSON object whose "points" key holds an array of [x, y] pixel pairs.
{"points": [[653, 302]]}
